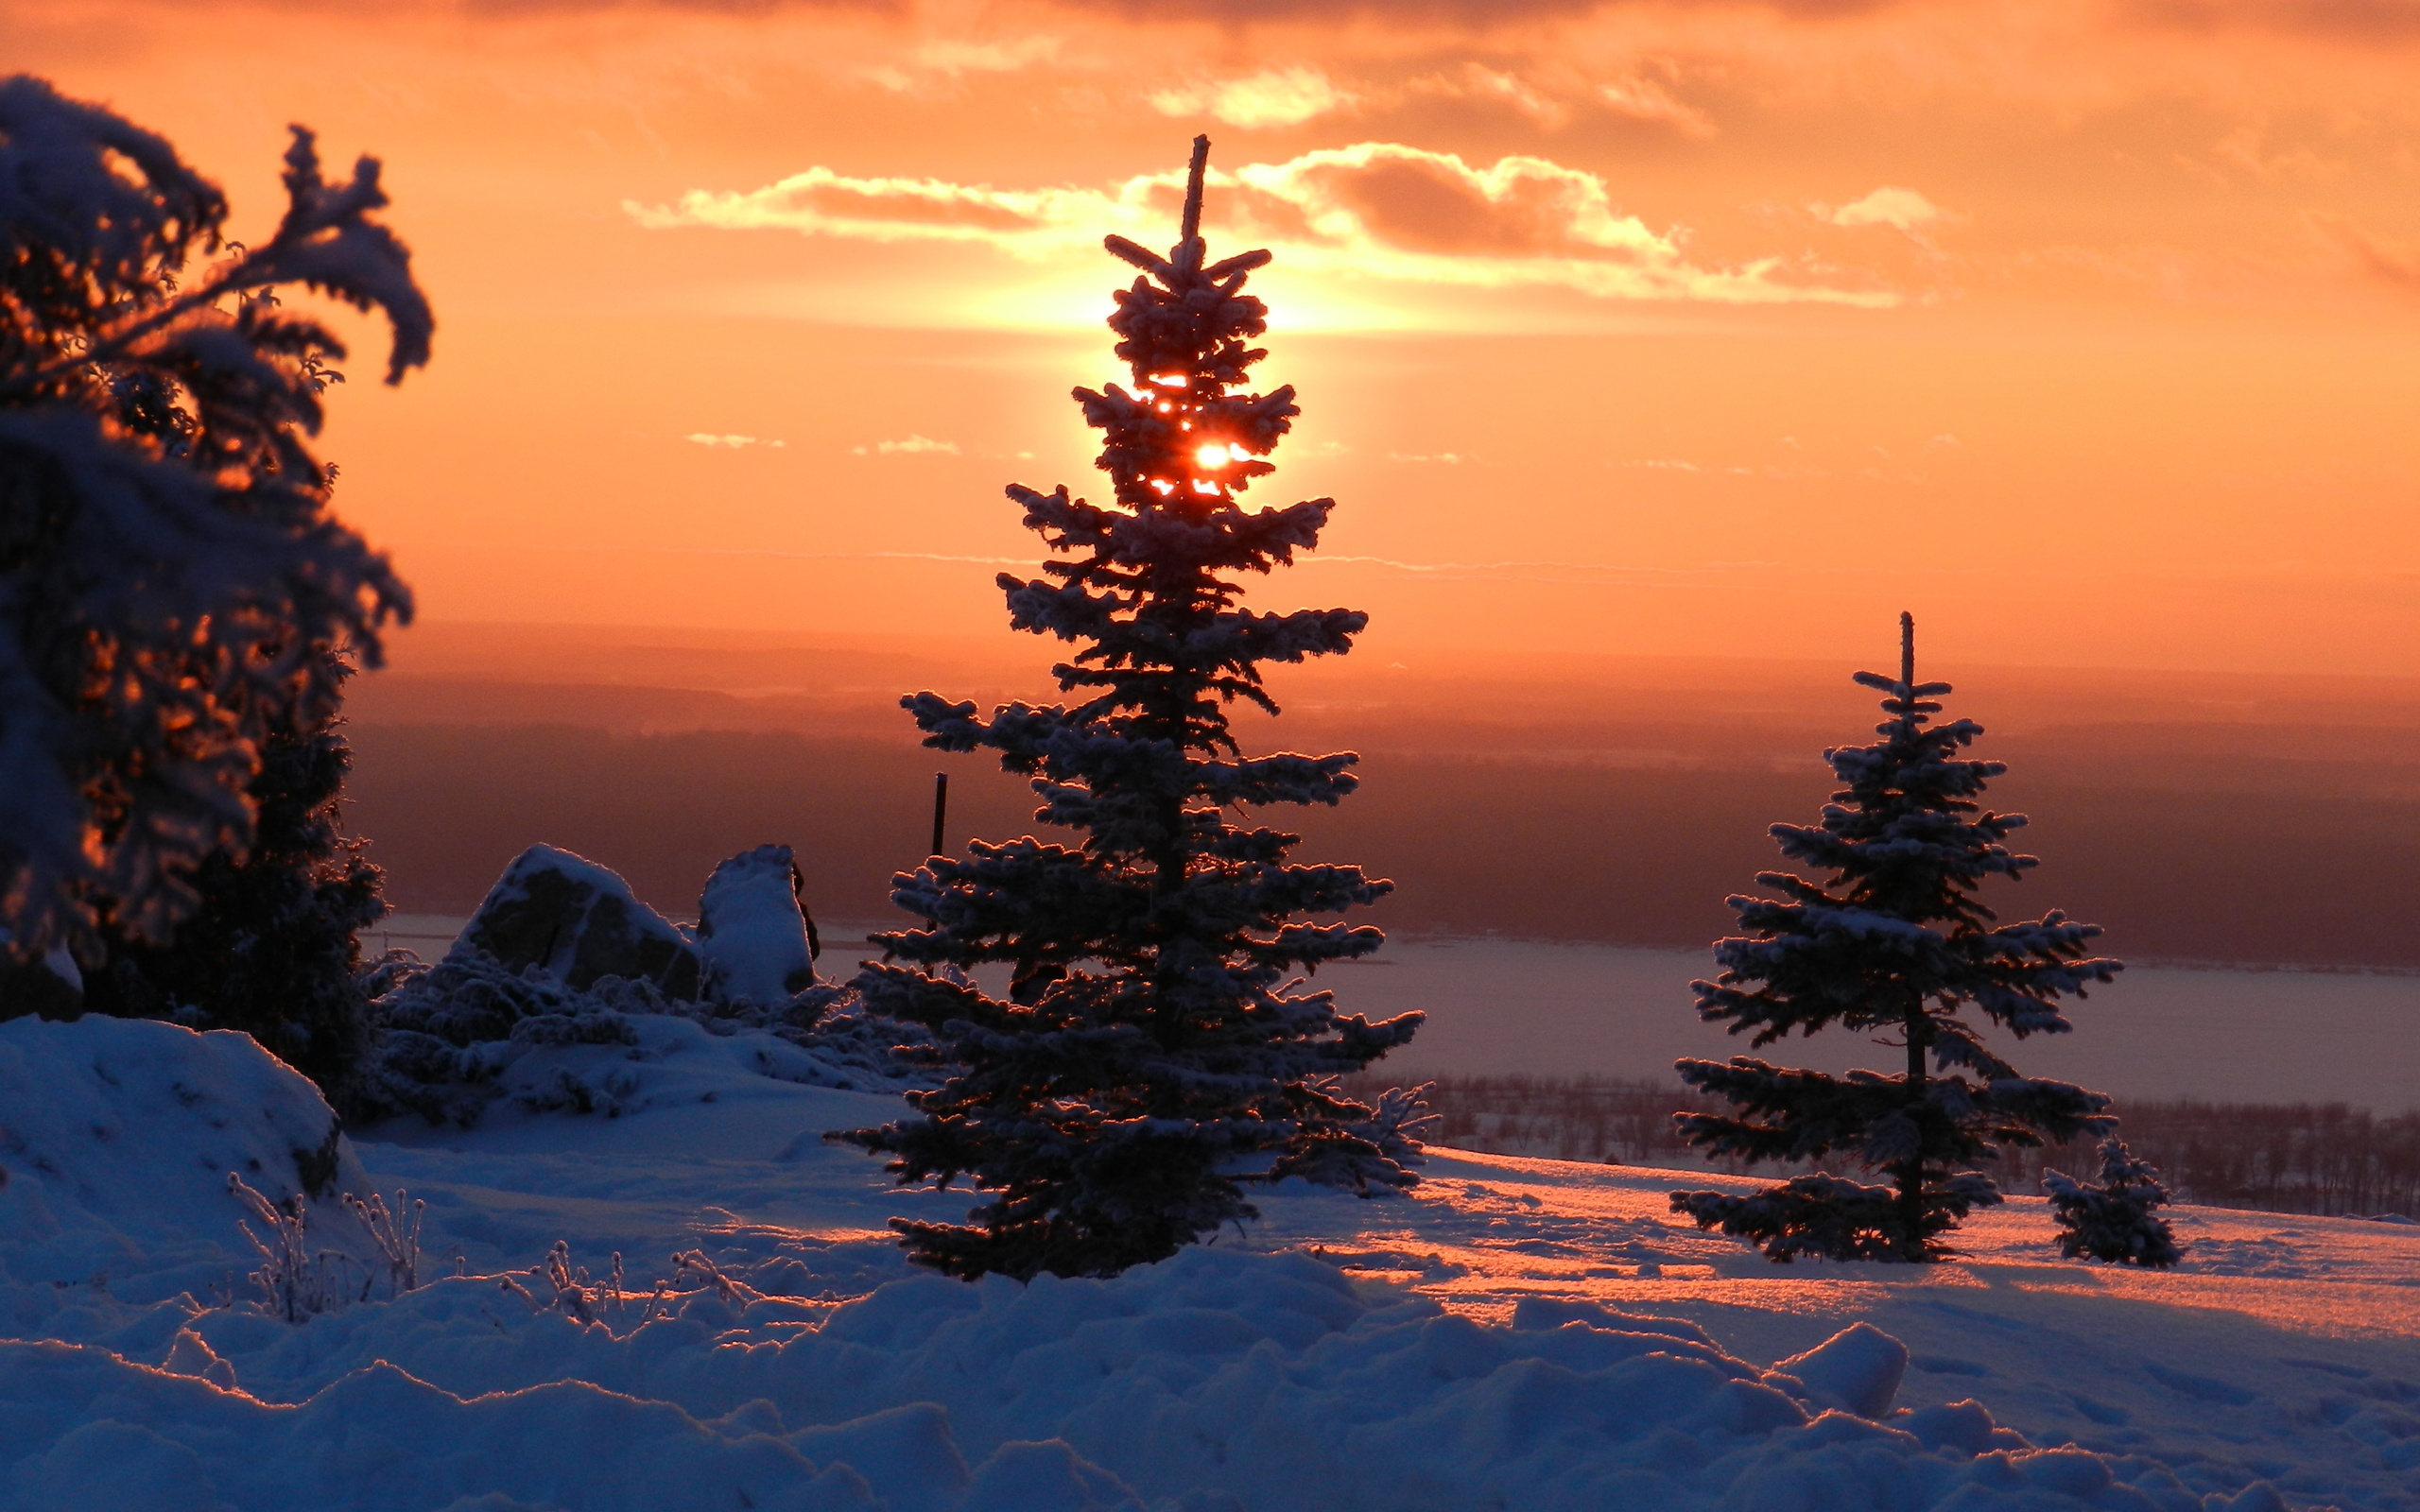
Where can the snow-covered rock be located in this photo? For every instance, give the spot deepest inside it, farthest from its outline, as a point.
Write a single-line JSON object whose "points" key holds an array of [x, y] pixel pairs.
{"points": [[751, 932], [577, 921], [117, 1136]]}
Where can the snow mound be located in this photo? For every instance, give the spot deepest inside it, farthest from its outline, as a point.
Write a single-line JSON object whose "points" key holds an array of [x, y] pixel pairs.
{"points": [[1857, 1369], [751, 932], [117, 1136]]}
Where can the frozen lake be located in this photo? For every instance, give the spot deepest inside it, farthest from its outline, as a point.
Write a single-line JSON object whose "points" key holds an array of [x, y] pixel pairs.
{"points": [[1512, 1006], [1501, 1007]]}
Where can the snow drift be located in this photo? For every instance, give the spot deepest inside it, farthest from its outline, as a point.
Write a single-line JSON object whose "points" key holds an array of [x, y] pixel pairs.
{"points": [[117, 1140], [1212, 1380]]}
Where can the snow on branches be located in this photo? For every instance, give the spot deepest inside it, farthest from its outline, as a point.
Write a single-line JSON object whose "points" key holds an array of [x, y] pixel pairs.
{"points": [[170, 578], [1893, 941], [1154, 1053]]}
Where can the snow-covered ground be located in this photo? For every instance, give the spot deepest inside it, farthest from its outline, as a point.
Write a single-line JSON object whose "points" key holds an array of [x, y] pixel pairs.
{"points": [[1520, 1335]]}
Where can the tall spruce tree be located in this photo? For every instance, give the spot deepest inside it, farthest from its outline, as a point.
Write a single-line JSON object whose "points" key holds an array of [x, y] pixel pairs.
{"points": [[170, 570], [1153, 1056], [1895, 942]]}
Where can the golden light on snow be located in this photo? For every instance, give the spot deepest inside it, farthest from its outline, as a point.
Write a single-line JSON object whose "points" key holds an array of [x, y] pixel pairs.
{"points": [[1555, 1228]]}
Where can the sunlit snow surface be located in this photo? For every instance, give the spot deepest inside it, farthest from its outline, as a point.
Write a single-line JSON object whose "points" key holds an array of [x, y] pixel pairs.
{"points": [[1341, 1354]]}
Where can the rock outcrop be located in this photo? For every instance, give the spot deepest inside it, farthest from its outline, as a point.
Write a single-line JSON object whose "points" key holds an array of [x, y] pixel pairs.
{"points": [[577, 921], [757, 943]]}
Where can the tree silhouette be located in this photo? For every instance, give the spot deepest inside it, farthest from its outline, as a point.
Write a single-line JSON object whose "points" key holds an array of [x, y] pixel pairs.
{"points": [[171, 582], [1896, 941], [1152, 1058]]}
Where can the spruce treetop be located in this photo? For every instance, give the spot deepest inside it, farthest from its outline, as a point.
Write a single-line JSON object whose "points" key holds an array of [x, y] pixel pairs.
{"points": [[1153, 1054], [1897, 927]]}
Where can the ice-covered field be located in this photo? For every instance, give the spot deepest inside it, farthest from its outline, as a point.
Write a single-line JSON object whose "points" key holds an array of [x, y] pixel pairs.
{"points": [[1521, 1335]]}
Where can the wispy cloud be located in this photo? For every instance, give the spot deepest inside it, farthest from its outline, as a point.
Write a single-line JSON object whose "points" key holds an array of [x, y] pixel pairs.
{"points": [[1445, 458], [1900, 209], [2394, 263], [952, 58], [1476, 81], [734, 442], [1373, 209], [914, 445], [1274, 96], [1649, 100]]}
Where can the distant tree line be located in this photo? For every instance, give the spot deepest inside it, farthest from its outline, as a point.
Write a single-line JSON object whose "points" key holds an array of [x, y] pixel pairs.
{"points": [[2309, 1158]]}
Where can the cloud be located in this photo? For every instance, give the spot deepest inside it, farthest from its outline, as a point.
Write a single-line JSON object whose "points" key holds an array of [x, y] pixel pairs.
{"points": [[1902, 209], [706, 438], [1481, 82], [1445, 458], [2351, 20], [1274, 96], [1648, 101], [2394, 263], [1374, 209], [914, 445], [954, 58]]}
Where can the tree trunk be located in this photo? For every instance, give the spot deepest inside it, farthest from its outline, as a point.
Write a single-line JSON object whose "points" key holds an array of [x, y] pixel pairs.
{"points": [[1910, 1171]]}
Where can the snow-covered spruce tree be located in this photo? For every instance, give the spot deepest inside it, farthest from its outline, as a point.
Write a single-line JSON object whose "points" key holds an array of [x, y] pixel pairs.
{"points": [[274, 947], [171, 580], [1893, 942], [2113, 1220], [1152, 1057]]}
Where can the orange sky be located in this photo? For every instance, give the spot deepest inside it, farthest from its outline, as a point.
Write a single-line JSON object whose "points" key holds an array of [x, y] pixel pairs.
{"points": [[2087, 331]]}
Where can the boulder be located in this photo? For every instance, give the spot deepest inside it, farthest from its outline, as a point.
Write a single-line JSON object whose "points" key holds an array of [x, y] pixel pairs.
{"points": [[757, 943], [577, 921]]}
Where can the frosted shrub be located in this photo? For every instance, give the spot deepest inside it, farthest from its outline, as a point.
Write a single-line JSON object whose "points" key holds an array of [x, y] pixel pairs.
{"points": [[296, 1285], [396, 1232], [446, 1033], [2113, 1220]]}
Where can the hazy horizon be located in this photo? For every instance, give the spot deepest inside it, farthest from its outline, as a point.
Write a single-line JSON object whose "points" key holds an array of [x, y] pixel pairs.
{"points": [[2204, 818]]}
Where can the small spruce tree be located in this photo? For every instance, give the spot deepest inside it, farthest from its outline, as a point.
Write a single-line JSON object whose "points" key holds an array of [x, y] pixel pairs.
{"points": [[2113, 1220], [1893, 941], [1152, 1059], [274, 947]]}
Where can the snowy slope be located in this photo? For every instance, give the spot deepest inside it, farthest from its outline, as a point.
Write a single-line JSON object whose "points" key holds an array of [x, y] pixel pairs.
{"points": [[1521, 1335]]}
